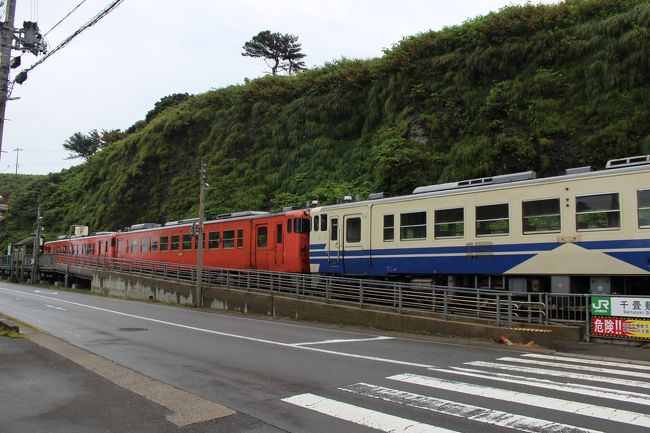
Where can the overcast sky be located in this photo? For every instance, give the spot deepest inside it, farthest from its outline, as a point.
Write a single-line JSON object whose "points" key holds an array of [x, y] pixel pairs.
{"points": [[114, 72]]}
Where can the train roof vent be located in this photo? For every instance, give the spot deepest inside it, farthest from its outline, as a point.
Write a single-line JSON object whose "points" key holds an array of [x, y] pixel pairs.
{"points": [[628, 162], [241, 214], [179, 222], [143, 226], [104, 233], [504, 178], [378, 195], [578, 170], [290, 208], [60, 238]]}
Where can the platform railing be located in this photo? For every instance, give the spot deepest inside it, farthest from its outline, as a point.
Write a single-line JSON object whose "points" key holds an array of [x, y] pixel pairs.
{"points": [[484, 305]]}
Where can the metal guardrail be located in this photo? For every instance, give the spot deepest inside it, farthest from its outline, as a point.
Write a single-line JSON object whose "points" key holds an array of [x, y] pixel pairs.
{"points": [[496, 306]]}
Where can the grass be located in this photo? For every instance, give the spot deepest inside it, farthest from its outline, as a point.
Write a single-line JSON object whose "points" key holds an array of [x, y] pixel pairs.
{"points": [[6, 332]]}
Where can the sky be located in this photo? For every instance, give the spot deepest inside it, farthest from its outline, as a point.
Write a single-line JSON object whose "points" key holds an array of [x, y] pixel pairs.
{"points": [[114, 72]]}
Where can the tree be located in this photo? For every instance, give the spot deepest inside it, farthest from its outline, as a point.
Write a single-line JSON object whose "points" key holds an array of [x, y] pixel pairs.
{"points": [[84, 146], [281, 52]]}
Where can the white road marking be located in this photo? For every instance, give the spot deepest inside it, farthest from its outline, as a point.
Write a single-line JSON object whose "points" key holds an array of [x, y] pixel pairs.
{"points": [[362, 416], [625, 365], [565, 374], [474, 413], [226, 334], [56, 308], [72, 333], [575, 388], [347, 340], [601, 412], [619, 372]]}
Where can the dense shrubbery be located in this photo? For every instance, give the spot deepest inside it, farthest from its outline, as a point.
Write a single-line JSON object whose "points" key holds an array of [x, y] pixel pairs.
{"points": [[528, 88]]}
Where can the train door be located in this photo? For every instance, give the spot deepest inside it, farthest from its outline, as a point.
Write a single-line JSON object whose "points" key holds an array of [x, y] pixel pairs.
{"points": [[351, 240], [334, 243], [262, 246], [279, 245]]}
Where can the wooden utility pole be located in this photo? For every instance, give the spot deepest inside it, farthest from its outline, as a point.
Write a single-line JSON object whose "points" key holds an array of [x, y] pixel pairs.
{"points": [[199, 247], [37, 246], [6, 41]]}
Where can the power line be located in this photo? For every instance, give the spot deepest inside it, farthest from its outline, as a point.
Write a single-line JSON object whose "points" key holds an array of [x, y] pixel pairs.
{"points": [[90, 23], [65, 17]]}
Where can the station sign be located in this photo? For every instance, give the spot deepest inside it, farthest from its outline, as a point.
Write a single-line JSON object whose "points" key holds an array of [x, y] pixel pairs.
{"points": [[620, 327], [620, 306], [620, 316]]}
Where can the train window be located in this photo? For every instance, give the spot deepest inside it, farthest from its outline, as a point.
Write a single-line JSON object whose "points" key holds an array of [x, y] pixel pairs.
{"points": [[316, 225], [119, 246], [492, 220], [154, 244], [643, 203], [229, 239], [335, 229], [413, 225], [213, 240], [449, 223], [187, 242], [175, 243], [134, 245], [164, 243], [288, 225], [144, 245], [389, 228], [598, 212], [278, 234], [262, 237], [240, 238], [353, 230], [323, 223], [301, 225], [541, 216]]}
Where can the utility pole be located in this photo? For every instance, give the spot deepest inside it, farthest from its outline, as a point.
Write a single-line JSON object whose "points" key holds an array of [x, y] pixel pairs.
{"points": [[199, 247], [37, 246], [17, 150], [5, 53]]}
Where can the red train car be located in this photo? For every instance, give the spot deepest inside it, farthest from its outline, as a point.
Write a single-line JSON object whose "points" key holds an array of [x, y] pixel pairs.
{"points": [[244, 240], [100, 244]]}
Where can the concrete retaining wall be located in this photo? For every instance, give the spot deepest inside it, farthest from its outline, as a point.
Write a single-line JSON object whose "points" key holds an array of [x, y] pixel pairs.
{"points": [[301, 309]]}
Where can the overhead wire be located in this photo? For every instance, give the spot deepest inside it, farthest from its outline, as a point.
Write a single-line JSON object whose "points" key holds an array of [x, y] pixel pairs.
{"points": [[90, 23], [65, 17]]}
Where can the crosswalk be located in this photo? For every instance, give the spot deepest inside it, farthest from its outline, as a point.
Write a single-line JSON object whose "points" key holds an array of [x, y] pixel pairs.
{"points": [[543, 394]]}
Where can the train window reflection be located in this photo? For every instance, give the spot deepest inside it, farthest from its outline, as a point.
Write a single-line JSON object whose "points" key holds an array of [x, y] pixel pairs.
{"points": [[541, 216], [598, 212]]}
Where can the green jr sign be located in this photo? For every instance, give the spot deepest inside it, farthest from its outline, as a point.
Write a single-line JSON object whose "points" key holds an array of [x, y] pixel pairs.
{"points": [[601, 306]]}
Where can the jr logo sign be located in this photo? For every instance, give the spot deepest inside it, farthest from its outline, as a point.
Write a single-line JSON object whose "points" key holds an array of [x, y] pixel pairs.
{"points": [[601, 306]]}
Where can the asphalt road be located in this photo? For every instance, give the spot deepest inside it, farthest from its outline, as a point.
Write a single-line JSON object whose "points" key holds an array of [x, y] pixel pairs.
{"points": [[298, 378]]}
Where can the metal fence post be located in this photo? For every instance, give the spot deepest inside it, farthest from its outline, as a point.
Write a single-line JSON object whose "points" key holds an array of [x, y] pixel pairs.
{"points": [[498, 309], [509, 309], [445, 304], [361, 294]]}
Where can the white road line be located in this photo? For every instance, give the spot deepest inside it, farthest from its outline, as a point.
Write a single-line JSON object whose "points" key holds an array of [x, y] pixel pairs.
{"points": [[565, 374], [56, 308], [588, 361], [575, 388], [348, 340], [619, 372], [574, 407], [462, 410], [226, 334], [362, 416]]}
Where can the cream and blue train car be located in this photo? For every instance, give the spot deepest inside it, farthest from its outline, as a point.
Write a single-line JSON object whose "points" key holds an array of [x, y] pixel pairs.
{"points": [[582, 231]]}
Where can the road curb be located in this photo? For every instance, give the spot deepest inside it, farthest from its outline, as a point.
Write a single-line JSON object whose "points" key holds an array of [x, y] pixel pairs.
{"points": [[186, 408]]}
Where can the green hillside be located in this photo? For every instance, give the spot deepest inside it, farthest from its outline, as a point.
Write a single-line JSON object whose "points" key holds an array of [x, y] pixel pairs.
{"points": [[538, 88]]}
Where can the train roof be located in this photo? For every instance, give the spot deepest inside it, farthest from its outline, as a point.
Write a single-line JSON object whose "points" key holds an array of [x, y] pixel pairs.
{"points": [[617, 166]]}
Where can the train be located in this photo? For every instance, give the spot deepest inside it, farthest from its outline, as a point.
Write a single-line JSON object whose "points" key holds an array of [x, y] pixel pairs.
{"points": [[586, 231], [276, 242]]}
